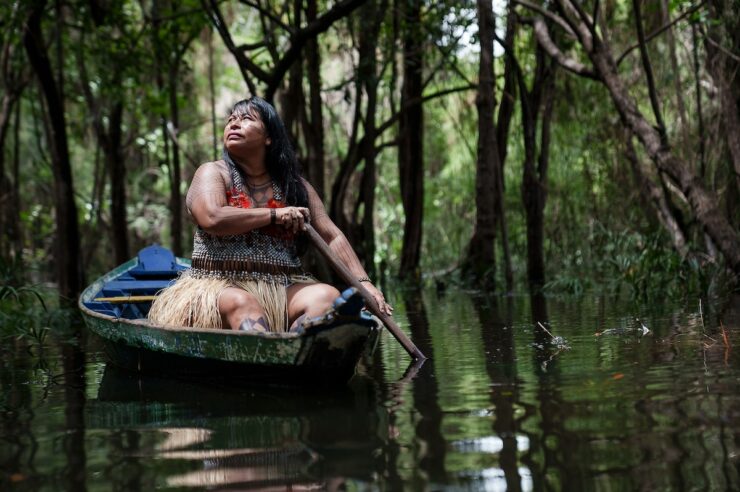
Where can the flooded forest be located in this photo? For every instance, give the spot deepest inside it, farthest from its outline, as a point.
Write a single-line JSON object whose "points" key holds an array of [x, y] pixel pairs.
{"points": [[547, 192]]}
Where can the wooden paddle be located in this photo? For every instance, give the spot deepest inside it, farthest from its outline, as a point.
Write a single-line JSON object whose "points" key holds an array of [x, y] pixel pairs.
{"points": [[370, 302], [125, 299]]}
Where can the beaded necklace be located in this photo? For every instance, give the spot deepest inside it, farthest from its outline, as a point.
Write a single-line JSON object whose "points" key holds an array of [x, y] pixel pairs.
{"points": [[268, 253]]}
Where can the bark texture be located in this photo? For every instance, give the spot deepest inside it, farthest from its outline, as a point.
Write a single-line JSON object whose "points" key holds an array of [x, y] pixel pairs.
{"points": [[481, 262], [703, 202], [67, 244], [411, 140]]}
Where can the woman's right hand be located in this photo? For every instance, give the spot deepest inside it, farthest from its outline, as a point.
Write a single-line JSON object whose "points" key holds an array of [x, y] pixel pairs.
{"points": [[292, 218]]}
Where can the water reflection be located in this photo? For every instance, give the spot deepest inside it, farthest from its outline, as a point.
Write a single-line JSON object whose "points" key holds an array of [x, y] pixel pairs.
{"points": [[206, 435], [496, 407], [498, 343]]}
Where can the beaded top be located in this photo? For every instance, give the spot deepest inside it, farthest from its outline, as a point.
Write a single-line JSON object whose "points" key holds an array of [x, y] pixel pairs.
{"points": [[268, 253]]}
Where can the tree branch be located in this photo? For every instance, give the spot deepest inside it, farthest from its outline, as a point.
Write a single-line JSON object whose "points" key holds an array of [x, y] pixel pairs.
{"points": [[581, 24], [543, 37], [646, 65], [412, 102], [323, 23], [213, 12], [660, 31], [547, 13], [266, 13]]}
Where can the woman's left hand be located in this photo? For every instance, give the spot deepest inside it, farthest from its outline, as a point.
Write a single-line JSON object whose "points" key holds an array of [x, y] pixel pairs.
{"points": [[379, 299]]}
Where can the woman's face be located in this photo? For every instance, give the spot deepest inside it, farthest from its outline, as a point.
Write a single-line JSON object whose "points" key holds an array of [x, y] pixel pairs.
{"points": [[245, 131]]}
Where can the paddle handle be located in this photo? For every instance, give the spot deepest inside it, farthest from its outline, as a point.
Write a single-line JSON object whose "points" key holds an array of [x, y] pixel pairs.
{"points": [[372, 305]]}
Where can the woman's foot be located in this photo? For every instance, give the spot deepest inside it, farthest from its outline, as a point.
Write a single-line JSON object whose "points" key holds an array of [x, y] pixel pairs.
{"points": [[258, 325]]}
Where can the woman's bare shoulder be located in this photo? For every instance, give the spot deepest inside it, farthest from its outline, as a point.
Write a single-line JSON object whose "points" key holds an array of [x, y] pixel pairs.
{"points": [[213, 168]]}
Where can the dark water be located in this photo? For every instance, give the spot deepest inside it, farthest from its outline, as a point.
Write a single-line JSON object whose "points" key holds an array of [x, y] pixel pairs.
{"points": [[499, 406]]}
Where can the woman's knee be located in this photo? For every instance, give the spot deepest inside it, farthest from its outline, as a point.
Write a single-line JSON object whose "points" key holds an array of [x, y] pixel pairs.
{"points": [[233, 300], [322, 297]]}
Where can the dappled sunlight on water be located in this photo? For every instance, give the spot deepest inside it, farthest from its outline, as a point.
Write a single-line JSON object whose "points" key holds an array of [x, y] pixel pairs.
{"points": [[632, 397]]}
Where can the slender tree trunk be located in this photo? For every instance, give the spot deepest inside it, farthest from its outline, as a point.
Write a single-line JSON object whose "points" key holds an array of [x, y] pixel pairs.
{"points": [[14, 229], [536, 214], [67, 244], [292, 100], [370, 21], [726, 73], [703, 202], [6, 113], [411, 140], [481, 261], [114, 156], [655, 195], [699, 110], [314, 131], [175, 173], [647, 67], [503, 123], [534, 178], [212, 99], [671, 41]]}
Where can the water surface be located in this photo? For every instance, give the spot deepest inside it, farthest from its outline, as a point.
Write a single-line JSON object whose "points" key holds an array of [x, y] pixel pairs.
{"points": [[633, 397]]}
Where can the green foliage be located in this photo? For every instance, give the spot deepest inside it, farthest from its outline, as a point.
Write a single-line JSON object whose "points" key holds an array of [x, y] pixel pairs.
{"points": [[644, 264], [597, 236]]}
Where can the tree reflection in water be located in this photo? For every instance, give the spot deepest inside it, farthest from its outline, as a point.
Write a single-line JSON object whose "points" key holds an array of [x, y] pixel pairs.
{"points": [[497, 406]]}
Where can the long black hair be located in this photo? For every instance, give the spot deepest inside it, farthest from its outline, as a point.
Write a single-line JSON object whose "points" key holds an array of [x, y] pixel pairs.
{"points": [[280, 159]]}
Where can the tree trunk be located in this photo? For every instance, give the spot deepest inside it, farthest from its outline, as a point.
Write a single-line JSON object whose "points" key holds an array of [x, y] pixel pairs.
{"points": [[14, 229], [175, 176], [314, 131], [534, 178], [411, 140], [212, 99], [292, 100], [481, 261], [657, 199], [703, 202], [67, 244], [6, 112], [671, 41], [536, 214], [724, 71], [699, 110], [503, 123], [370, 21], [114, 156]]}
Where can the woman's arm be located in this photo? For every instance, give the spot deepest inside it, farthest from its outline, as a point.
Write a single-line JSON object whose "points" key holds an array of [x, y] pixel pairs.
{"points": [[206, 202], [340, 246]]}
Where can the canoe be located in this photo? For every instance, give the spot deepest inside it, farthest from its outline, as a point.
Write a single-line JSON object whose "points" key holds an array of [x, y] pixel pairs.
{"points": [[115, 306]]}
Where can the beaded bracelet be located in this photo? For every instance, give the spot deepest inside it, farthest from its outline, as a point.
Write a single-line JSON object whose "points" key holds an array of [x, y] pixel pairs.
{"points": [[364, 279], [273, 216]]}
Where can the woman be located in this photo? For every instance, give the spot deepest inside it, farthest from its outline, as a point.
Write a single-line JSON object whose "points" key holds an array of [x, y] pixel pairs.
{"points": [[250, 209]]}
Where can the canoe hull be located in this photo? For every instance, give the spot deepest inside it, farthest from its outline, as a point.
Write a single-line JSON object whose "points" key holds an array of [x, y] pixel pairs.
{"points": [[329, 356]]}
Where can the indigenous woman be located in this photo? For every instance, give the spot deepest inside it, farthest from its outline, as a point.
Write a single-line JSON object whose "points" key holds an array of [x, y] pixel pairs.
{"points": [[250, 209]]}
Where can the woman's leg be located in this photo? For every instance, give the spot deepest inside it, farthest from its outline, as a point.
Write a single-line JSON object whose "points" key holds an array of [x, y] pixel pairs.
{"points": [[309, 301], [241, 311]]}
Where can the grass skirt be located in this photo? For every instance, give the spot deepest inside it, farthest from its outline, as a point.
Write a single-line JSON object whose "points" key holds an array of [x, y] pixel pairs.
{"points": [[193, 301]]}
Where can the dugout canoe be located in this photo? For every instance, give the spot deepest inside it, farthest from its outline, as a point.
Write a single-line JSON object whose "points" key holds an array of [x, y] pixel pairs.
{"points": [[115, 306]]}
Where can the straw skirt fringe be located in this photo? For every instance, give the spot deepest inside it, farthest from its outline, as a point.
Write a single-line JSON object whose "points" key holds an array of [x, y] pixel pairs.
{"points": [[193, 302]]}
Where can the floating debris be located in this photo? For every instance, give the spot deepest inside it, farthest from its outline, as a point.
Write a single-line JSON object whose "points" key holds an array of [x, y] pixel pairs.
{"points": [[641, 330], [559, 343]]}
